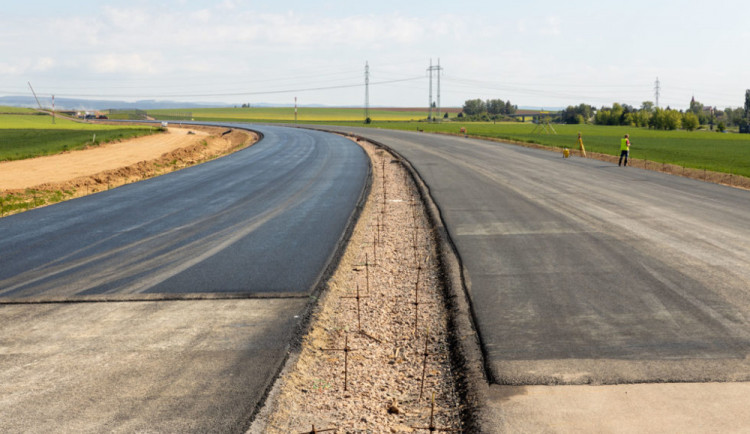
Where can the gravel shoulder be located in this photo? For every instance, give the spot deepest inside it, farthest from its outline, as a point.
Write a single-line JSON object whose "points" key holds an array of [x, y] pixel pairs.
{"points": [[377, 385]]}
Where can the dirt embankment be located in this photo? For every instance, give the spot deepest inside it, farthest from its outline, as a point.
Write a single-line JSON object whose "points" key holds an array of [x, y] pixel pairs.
{"points": [[25, 184]]}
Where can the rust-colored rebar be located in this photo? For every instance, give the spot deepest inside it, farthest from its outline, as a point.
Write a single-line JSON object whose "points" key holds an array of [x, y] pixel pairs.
{"points": [[424, 363], [314, 431], [432, 427], [346, 351], [367, 274], [357, 297]]}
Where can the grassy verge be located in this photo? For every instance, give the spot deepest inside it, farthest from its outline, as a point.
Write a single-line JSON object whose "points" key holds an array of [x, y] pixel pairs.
{"points": [[28, 136], [705, 150], [12, 203]]}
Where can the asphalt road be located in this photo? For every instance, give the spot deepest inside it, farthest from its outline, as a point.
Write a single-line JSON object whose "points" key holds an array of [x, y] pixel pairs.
{"points": [[169, 305], [263, 220], [582, 272]]}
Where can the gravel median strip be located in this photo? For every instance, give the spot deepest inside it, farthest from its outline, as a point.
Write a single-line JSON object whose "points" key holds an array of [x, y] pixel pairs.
{"points": [[372, 362]]}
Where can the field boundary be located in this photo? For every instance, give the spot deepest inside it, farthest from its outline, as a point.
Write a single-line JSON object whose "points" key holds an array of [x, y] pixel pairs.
{"points": [[723, 178]]}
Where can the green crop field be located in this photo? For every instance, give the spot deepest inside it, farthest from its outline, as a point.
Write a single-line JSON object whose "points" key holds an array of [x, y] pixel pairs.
{"points": [[26, 136], [719, 152], [16, 110], [286, 114]]}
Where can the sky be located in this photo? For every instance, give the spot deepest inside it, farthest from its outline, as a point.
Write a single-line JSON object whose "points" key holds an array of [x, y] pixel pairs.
{"points": [[533, 53]]}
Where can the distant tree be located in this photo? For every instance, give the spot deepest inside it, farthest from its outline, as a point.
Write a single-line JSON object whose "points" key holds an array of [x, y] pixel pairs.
{"points": [[647, 106], [720, 127], [672, 120], [665, 119], [602, 116], [474, 107], [445, 116], [690, 121], [495, 106], [460, 115]]}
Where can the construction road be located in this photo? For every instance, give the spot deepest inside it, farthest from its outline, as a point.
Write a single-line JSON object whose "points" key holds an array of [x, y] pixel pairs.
{"points": [[581, 272], [169, 305]]}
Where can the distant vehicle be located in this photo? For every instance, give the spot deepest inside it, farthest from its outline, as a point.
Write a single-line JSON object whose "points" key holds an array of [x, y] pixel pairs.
{"points": [[164, 124], [102, 117], [89, 116]]}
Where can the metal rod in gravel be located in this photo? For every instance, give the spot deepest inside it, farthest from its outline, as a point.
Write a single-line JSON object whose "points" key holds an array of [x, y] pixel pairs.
{"points": [[424, 363], [432, 427], [358, 298], [314, 431], [359, 321], [346, 351]]}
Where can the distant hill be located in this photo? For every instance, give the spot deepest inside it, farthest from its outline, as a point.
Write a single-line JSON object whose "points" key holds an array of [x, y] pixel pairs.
{"points": [[92, 104]]}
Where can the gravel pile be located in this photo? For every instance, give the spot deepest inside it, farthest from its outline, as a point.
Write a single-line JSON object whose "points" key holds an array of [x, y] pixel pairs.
{"points": [[383, 382]]}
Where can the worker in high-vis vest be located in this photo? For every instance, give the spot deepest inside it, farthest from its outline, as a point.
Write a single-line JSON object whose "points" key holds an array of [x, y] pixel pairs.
{"points": [[624, 149]]}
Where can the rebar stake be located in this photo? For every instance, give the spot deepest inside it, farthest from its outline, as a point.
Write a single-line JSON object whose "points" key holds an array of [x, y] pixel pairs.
{"points": [[314, 431], [432, 427], [346, 351], [424, 364]]}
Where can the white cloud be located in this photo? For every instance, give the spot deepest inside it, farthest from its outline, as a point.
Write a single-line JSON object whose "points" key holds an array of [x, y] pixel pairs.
{"points": [[551, 26], [134, 63], [43, 64]]}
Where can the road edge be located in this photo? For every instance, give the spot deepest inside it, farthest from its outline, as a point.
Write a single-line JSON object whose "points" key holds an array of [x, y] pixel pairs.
{"points": [[466, 354], [256, 421]]}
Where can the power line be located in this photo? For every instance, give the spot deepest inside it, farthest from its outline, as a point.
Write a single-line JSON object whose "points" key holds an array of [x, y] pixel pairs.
{"points": [[267, 92]]}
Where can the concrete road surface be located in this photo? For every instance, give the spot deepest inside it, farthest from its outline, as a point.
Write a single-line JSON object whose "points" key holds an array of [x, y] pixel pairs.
{"points": [[130, 310], [156, 366], [584, 272]]}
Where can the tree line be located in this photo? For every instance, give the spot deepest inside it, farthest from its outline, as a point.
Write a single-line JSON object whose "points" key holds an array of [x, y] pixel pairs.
{"points": [[491, 109], [659, 118]]}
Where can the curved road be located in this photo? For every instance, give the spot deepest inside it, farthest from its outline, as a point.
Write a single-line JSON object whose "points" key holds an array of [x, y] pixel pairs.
{"points": [[581, 271], [263, 220], [169, 305]]}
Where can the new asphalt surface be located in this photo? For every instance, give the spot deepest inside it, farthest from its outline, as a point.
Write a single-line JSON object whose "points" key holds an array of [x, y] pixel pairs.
{"points": [[169, 305], [263, 220], [583, 272]]}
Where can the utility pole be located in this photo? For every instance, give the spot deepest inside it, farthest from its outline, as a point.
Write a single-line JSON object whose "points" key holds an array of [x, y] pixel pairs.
{"points": [[657, 89], [438, 69], [438, 90], [295, 109], [367, 92], [429, 116], [53, 109]]}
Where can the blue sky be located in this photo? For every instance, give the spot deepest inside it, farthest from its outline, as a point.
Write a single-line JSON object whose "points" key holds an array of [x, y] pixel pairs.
{"points": [[535, 53]]}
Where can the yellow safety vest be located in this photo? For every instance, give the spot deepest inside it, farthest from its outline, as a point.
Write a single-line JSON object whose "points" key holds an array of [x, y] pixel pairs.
{"points": [[623, 144]]}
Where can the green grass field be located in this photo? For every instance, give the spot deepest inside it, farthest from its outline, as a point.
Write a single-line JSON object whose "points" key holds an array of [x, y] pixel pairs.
{"points": [[719, 152], [27, 136], [15, 110], [286, 114]]}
